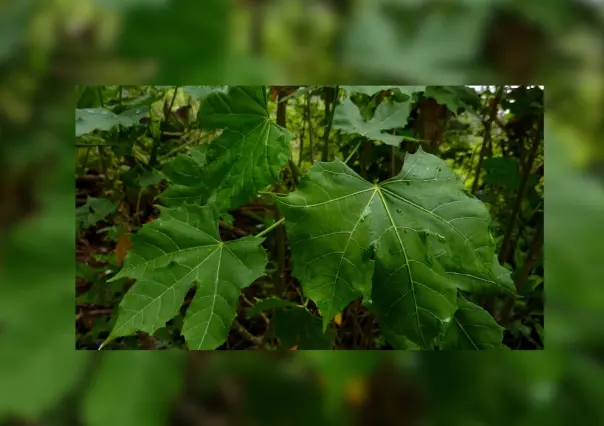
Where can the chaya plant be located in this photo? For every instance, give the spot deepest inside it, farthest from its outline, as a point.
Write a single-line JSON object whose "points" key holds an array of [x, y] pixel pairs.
{"points": [[415, 248]]}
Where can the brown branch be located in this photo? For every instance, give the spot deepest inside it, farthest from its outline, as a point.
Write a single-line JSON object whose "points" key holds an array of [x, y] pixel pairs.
{"points": [[527, 267], [257, 341], [494, 106], [506, 245], [233, 229]]}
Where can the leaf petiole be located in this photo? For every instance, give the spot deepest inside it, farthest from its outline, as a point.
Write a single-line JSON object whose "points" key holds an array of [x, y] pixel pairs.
{"points": [[270, 228]]}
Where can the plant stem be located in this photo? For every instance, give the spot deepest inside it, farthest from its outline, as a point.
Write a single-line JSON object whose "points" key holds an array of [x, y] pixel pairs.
{"points": [[295, 173], [487, 136], [270, 193], [258, 341], [506, 245], [100, 93], [180, 147], [310, 134], [270, 228], [353, 151], [302, 140], [531, 256], [173, 97], [281, 283], [331, 111]]}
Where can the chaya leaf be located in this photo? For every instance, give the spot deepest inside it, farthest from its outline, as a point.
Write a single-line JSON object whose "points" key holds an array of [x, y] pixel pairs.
{"points": [[167, 257], [91, 119], [245, 158], [298, 327], [388, 115], [95, 210], [453, 97], [427, 235], [472, 328], [372, 90], [200, 92]]}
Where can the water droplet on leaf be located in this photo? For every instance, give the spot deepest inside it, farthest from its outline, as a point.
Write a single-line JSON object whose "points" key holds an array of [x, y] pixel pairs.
{"points": [[399, 210], [440, 238]]}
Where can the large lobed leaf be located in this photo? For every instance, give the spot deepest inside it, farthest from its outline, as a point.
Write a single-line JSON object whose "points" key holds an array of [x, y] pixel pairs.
{"points": [[90, 119], [372, 90], [245, 158], [170, 254], [389, 115], [472, 328], [409, 243]]}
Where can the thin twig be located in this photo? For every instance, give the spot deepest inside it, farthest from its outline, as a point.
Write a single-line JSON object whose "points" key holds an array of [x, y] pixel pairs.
{"points": [[258, 341], [270, 228], [353, 152], [262, 314], [233, 229]]}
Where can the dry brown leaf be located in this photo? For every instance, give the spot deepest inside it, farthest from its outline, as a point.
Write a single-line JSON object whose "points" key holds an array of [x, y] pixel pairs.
{"points": [[124, 244]]}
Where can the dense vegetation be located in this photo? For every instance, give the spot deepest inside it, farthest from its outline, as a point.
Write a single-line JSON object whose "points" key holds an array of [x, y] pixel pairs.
{"points": [[353, 217]]}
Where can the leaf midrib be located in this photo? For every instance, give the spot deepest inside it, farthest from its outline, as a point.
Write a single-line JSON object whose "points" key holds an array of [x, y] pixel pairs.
{"points": [[168, 288], [417, 206], [205, 333], [395, 229]]}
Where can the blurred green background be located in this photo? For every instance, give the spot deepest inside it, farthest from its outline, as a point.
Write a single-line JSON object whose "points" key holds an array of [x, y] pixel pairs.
{"points": [[47, 46]]}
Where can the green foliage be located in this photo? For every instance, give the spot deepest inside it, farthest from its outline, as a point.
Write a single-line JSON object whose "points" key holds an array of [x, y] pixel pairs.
{"points": [[472, 328], [505, 171], [246, 157], [91, 119], [372, 90], [347, 118], [454, 97], [408, 244], [413, 245], [95, 210], [169, 255], [296, 326]]}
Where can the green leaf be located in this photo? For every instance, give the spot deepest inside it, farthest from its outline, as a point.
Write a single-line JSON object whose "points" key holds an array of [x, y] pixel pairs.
{"points": [[400, 342], [168, 255], [372, 90], [505, 171], [378, 43], [453, 97], [503, 278], [90, 119], [201, 92], [245, 158], [472, 328], [428, 236], [268, 304], [185, 171], [133, 388], [297, 326], [390, 115], [95, 210], [150, 177]]}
